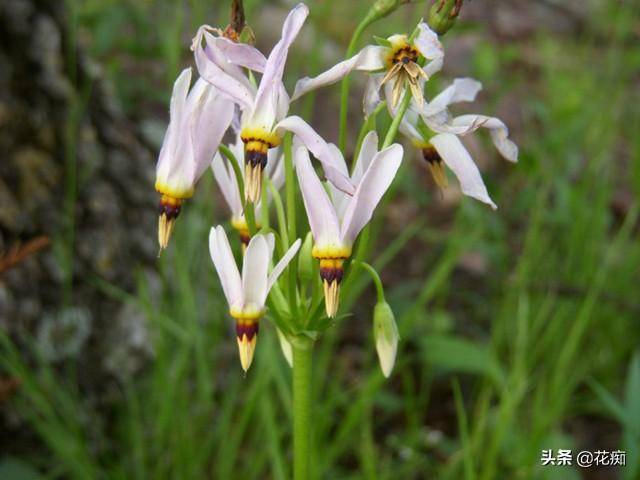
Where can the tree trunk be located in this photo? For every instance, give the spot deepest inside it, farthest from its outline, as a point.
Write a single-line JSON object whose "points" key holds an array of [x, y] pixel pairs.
{"points": [[77, 203]]}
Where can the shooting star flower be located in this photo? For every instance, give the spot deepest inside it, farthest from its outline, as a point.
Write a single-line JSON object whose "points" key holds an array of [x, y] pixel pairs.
{"points": [[247, 294], [198, 120], [394, 62], [265, 108], [445, 147], [228, 183], [337, 219]]}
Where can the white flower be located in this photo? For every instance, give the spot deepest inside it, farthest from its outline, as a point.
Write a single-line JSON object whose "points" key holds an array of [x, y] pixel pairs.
{"points": [[336, 220], [228, 183], [445, 146], [247, 294], [198, 120], [395, 62], [265, 108]]}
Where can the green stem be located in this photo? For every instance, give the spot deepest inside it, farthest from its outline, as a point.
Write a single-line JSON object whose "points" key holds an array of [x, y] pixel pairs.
{"points": [[376, 279], [344, 88], [302, 394], [395, 124]]}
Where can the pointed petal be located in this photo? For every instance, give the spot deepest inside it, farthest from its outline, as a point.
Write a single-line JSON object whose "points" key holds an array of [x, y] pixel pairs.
{"points": [[461, 90], [212, 72], [228, 185], [213, 117], [433, 67], [322, 217], [374, 184], [282, 264], [266, 103], [372, 94], [317, 146], [370, 58], [428, 43], [367, 151], [498, 130], [254, 272], [172, 157], [241, 54], [457, 158], [225, 266]]}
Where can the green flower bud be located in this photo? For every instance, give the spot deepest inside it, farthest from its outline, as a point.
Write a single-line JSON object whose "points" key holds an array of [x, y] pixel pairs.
{"points": [[305, 260], [443, 14], [385, 332], [382, 8]]}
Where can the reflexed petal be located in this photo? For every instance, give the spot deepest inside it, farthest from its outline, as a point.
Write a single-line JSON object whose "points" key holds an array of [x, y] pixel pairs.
{"points": [[370, 58], [226, 180], [175, 161], [457, 158], [216, 76], [266, 102], [374, 184], [498, 130], [428, 43], [271, 243], [372, 94], [322, 217], [317, 146], [212, 119], [408, 126], [433, 67], [461, 90], [254, 272], [282, 264], [367, 151], [241, 54], [225, 266]]}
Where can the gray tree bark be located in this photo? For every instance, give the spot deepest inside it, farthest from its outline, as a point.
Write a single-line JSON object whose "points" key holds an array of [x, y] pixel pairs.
{"points": [[77, 201]]}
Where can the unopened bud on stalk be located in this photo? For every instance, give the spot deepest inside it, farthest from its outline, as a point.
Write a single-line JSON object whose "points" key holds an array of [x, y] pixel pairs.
{"points": [[385, 332], [443, 14], [305, 259], [382, 8]]}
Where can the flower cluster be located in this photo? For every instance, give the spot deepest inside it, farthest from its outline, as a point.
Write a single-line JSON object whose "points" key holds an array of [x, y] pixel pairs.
{"points": [[269, 145]]}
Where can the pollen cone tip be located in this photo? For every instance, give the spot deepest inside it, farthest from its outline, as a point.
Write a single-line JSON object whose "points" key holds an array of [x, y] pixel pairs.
{"points": [[331, 297], [246, 348], [165, 228]]}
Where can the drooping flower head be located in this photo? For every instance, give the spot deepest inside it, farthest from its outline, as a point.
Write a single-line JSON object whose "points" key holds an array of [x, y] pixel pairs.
{"points": [[263, 109], [198, 120], [336, 219], [226, 179], [247, 293], [395, 62], [435, 131]]}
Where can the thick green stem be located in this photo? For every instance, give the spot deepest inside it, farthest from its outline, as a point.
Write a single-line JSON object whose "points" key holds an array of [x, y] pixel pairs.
{"points": [[302, 395]]}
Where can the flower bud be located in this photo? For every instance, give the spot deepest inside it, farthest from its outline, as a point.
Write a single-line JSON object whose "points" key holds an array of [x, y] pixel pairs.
{"points": [[305, 259], [382, 8], [443, 14], [385, 332]]}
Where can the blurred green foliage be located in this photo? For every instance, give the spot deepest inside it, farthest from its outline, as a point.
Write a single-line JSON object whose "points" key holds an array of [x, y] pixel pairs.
{"points": [[534, 351]]}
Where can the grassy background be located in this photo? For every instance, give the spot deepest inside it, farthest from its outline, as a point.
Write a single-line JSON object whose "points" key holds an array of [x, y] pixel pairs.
{"points": [[519, 327]]}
